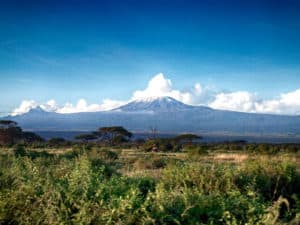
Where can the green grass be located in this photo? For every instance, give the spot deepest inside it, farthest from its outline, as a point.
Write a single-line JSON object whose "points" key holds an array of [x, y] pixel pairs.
{"points": [[106, 186]]}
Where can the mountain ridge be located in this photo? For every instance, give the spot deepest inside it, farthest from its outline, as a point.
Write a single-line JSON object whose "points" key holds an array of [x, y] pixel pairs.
{"points": [[149, 100], [154, 104], [166, 114]]}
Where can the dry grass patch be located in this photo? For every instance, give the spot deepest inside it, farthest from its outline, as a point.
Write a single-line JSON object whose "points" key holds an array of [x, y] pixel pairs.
{"points": [[234, 157]]}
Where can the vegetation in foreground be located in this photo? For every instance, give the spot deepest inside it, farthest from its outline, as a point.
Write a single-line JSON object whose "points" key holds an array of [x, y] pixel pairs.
{"points": [[91, 185], [157, 181]]}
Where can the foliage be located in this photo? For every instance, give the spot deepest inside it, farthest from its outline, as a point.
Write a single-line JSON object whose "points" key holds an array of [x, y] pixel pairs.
{"points": [[19, 150], [30, 137], [113, 135], [10, 133], [104, 154], [81, 187], [57, 142], [150, 162], [194, 151], [161, 144], [86, 137], [187, 138]]}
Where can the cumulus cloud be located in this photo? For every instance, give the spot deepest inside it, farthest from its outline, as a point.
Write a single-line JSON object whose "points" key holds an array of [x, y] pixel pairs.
{"points": [[287, 103], [83, 106], [242, 101], [198, 94], [80, 106], [160, 86], [25, 106], [50, 106], [108, 104]]}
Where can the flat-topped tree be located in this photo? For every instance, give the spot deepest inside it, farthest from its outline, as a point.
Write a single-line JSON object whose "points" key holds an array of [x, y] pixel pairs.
{"points": [[187, 138], [57, 141], [30, 137], [9, 132], [7, 123], [86, 137], [115, 134]]}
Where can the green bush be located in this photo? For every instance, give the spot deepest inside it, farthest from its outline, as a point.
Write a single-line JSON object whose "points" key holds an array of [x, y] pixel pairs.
{"points": [[19, 150], [108, 155], [195, 151], [150, 162], [161, 145], [84, 188]]}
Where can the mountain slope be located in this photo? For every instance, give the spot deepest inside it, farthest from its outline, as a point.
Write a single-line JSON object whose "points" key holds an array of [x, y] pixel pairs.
{"points": [[167, 115], [155, 104]]}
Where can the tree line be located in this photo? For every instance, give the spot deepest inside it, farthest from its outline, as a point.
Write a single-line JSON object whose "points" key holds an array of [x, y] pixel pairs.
{"points": [[117, 136], [11, 133]]}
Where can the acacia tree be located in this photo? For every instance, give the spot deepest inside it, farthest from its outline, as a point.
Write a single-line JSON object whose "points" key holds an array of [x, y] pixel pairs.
{"points": [[7, 123], [10, 132], [30, 137], [115, 134], [187, 138], [57, 142], [86, 137]]}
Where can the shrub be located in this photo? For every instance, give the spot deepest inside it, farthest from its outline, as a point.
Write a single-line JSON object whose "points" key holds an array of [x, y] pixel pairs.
{"points": [[195, 151], [19, 151], [85, 189], [150, 162], [162, 145]]}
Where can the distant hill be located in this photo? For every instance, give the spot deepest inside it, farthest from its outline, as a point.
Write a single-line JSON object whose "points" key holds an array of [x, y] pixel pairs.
{"points": [[167, 115]]}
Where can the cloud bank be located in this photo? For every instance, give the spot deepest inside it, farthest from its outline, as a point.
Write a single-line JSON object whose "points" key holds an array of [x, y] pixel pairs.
{"points": [[198, 94], [286, 103], [160, 86], [80, 106]]}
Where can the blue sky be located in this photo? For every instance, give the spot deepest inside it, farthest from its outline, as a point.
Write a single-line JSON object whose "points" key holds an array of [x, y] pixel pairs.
{"points": [[95, 50]]}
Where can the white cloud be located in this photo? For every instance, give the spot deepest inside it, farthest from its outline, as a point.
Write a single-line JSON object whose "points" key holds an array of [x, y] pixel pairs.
{"points": [[287, 103], [83, 106], [49, 106], [80, 106], [159, 85], [198, 89], [242, 101], [24, 107], [108, 104]]}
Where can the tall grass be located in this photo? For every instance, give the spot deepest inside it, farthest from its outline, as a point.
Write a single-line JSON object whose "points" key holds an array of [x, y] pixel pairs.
{"points": [[84, 187]]}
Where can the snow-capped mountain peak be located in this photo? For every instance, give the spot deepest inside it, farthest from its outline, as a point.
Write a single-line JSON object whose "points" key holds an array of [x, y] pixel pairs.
{"points": [[155, 98], [155, 104], [37, 109]]}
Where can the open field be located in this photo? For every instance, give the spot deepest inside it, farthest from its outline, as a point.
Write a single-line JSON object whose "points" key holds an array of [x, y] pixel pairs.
{"points": [[93, 185]]}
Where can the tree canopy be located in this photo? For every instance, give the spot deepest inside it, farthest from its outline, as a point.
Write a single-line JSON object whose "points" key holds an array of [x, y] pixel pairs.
{"points": [[187, 137], [30, 137], [7, 123], [114, 134], [57, 141], [9, 132], [86, 137]]}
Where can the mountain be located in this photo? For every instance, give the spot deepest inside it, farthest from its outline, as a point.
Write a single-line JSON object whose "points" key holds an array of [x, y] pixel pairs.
{"points": [[167, 115], [36, 111], [155, 105]]}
